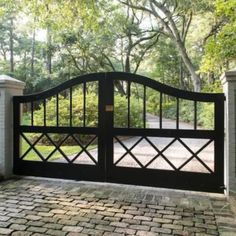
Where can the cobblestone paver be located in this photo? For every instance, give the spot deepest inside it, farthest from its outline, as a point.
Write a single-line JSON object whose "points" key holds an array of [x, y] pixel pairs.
{"points": [[37, 207]]}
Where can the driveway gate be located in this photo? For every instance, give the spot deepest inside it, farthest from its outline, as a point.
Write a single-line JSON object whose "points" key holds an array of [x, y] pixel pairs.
{"points": [[76, 131]]}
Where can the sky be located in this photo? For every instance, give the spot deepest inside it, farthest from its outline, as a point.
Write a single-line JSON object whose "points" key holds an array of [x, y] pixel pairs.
{"points": [[40, 35]]}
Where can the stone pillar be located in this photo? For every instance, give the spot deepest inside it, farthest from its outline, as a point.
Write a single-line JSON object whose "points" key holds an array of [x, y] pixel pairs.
{"points": [[228, 80], [9, 87]]}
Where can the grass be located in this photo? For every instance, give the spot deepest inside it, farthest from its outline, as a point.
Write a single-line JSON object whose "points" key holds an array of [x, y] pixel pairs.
{"points": [[45, 150]]}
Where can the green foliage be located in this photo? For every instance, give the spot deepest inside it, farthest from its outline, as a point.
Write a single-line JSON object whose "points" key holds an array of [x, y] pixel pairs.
{"points": [[206, 115], [167, 68], [227, 8], [169, 110], [26, 118], [120, 112], [92, 36], [215, 87], [153, 102], [205, 111], [64, 113], [185, 110], [220, 49], [61, 14], [120, 117]]}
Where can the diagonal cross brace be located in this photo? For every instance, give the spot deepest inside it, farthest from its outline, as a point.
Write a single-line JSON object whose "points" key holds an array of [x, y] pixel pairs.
{"points": [[160, 153], [128, 151], [84, 149], [32, 146], [195, 155]]}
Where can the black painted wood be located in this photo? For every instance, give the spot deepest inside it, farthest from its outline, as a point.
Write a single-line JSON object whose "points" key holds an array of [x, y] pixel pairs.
{"points": [[105, 169]]}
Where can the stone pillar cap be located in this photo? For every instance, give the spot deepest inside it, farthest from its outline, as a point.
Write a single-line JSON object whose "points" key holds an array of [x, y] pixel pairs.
{"points": [[7, 81], [228, 76]]}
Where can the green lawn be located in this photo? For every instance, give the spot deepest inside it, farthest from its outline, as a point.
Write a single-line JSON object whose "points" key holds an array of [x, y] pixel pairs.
{"points": [[46, 150]]}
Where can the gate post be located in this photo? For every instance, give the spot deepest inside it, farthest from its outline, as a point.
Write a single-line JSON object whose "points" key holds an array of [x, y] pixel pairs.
{"points": [[228, 80], [9, 87]]}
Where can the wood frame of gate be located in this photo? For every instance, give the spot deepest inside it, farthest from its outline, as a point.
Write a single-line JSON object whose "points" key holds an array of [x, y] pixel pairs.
{"points": [[104, 167]]}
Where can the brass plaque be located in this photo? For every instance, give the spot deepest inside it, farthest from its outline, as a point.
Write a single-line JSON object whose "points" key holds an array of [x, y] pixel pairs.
{"points": [[109, 108]]}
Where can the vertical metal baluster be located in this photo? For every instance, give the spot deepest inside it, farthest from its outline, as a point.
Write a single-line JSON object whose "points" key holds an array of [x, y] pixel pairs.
{"points": [[44, 112], [84, 106], [32, 114], [160, 105], [177, 113], [144, 106], [195, 115], [70, 106], [128, 104], [57, 109]]}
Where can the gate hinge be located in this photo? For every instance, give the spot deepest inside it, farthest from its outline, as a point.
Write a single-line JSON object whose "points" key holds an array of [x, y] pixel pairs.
{"points": [[223, 187]]}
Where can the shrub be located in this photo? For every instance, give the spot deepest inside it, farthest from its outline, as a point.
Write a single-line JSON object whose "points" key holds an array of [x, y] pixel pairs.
{"points": [[121, 112], [120, 116], [153, 103], [169, 110], [205, 111], [206, 116]]}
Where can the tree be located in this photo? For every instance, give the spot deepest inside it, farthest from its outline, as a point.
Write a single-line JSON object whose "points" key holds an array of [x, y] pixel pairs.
{"points": [[167, 66], [220, 45], [173, 20], [8, 10], [133, 39], [32, 53], [160, 38]]}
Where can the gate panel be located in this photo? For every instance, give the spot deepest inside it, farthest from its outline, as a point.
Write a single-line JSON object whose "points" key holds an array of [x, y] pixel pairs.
{"points": [[59, 134], [66, 133], [157, 151]]}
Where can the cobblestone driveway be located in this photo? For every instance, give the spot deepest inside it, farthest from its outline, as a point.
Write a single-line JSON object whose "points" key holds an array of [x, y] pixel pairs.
{"points": [[53, 207]]}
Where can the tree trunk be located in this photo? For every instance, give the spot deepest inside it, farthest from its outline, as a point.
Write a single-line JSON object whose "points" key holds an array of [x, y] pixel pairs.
{"points": [[4, 53], [169, 28], [32, 54], [127, 65], [129, 48], [119, 87], [181, 74], [195, 78], [49, 52], [25, 66], [11, 46], [174, 33]]}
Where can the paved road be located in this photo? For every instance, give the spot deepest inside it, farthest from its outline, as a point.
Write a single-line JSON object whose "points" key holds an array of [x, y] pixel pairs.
{"points": [[177, 154]]}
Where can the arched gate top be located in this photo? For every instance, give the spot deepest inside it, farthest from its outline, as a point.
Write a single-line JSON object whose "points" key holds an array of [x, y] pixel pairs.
{"points": [[160, 87]]}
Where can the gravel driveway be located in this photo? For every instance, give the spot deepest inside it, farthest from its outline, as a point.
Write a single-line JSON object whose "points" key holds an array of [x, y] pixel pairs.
{"points": [[176, 153]]}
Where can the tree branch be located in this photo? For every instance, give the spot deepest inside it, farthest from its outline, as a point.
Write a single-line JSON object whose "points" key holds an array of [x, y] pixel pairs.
{"points": [[185, 32], [144, 52], [213, 30], [164, 24], [109, 61], [173, 28], [136, 7], [143, 39], [73, 59]]}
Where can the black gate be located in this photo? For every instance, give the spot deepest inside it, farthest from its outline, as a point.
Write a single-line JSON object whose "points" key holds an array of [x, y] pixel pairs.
{"points": [[122, 128]]}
